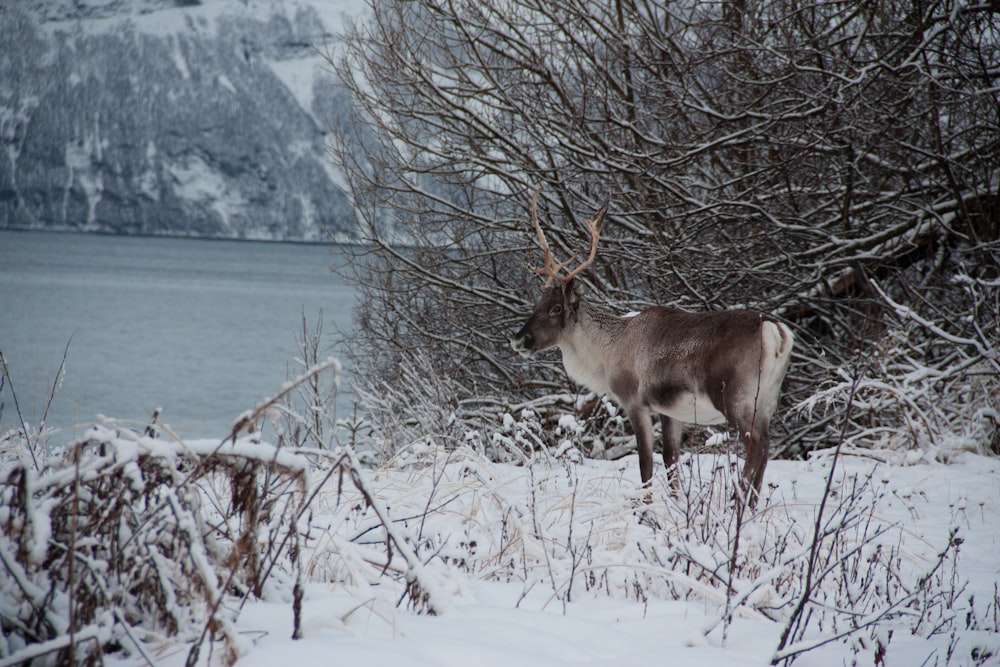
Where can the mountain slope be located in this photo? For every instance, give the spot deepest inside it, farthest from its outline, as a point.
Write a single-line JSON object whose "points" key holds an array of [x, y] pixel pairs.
{"points": [[178, 118]]}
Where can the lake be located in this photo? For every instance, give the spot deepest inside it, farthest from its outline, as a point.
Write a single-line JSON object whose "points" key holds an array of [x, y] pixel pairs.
{"points": [[203, 329]]}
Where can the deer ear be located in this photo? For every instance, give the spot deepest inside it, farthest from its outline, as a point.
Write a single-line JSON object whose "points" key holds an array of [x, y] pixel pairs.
{"points": [[573, 290]]}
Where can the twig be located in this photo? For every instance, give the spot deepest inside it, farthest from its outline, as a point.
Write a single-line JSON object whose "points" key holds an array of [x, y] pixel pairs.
{"points": [[807, 588], [251, 416], [71, 583], [17, 408], [419, 585], [55, 383]]}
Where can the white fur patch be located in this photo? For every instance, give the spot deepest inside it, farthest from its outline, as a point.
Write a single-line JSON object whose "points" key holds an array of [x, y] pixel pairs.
{"points": [[692, 409]]}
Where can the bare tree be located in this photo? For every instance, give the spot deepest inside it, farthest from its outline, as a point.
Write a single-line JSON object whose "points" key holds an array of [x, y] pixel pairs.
{"points": [[834, 163]]}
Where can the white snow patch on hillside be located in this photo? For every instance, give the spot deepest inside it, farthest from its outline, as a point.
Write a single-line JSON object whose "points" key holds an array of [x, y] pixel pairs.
{"points": [[204, 17], [299, 77], [224, 81], [180, 62], [78, 156], [197, 182]]}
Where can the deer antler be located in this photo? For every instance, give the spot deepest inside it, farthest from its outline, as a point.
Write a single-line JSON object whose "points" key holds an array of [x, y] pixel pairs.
{"points": [[552, 268]]}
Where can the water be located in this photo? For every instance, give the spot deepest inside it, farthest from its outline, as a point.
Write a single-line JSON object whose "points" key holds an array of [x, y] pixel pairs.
{"points": [[202, 329]]}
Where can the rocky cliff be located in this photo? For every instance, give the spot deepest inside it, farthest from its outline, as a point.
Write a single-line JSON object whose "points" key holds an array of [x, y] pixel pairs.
{"points": [[170, 117]]}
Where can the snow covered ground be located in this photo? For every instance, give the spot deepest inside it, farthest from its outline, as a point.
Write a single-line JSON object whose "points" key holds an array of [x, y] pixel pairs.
{"points": [[559, 563]]}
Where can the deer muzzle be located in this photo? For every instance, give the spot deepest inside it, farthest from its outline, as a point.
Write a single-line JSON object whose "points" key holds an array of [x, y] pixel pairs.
{"points": [[523, 344]]}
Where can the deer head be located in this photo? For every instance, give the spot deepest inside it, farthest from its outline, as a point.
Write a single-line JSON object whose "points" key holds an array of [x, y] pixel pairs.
{"points": [[556, 311]]}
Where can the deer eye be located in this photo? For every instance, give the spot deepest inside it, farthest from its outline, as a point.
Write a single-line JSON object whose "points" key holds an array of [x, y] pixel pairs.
{"points": [[556, 310]]}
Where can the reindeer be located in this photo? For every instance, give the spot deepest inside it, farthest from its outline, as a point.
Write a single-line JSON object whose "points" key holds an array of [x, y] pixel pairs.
{"points": [[695, 368]]}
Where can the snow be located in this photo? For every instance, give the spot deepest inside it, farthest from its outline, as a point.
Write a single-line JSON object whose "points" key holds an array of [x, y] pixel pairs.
{"points": [[180, 61], [78, 157], [489, 630], [490, 614], [300, 76], [198, 182], [224, 81], [299, 72]]}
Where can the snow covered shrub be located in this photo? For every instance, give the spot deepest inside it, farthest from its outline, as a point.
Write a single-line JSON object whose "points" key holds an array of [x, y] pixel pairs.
{"points": [[521, 439], [355, 541], [425, 404], [859, 586], [825, 564], [422, 401], [308, 412], [931, 381], [131, 531]]}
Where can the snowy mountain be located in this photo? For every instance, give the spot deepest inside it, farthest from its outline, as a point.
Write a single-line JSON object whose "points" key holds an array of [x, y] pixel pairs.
{"points": [[171, 117]]}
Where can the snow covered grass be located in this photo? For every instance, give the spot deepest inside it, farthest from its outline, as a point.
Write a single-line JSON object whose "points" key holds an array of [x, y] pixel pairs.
{"points": [[444, 557], [561, 562]]}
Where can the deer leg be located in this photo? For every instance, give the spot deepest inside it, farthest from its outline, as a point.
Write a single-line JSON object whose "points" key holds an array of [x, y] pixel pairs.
{"points": [[758, 451], [642, 425], [671, 449]]}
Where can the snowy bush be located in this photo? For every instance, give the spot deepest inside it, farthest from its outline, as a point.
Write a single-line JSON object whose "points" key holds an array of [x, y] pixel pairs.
{"points": [[839, 172], [133, 532], [930, 383]]}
